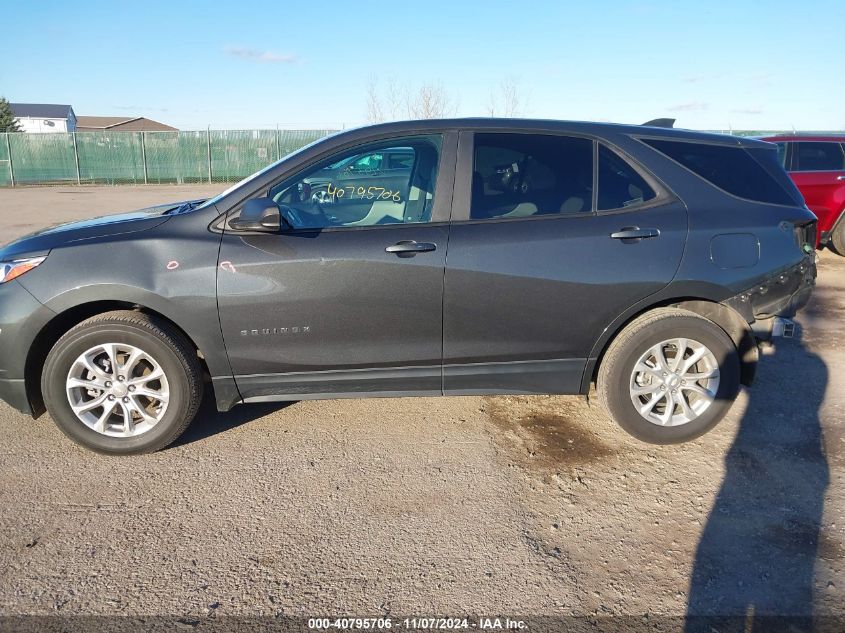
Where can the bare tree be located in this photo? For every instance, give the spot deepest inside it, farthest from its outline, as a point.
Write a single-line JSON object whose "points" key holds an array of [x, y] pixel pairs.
{"points": [[431, 101], [392, 102], [509, 100], [375, 110], [394, 99]]}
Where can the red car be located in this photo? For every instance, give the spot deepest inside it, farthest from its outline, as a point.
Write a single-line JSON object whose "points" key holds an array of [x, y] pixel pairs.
{"points": [[817, 166]]}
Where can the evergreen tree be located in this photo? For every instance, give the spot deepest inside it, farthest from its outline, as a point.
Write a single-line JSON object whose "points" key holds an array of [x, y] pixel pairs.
{"points": [[8, 123]]}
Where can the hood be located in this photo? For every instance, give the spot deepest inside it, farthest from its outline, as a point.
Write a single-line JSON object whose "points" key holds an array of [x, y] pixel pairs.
{"points": [[62, 234]]}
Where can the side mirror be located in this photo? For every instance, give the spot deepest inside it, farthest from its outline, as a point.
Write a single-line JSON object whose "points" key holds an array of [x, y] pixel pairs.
{"points": [[259, 214]]}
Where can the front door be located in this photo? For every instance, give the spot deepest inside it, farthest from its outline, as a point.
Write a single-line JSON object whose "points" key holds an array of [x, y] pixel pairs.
{"points": [[349, 298], [540, 265]]}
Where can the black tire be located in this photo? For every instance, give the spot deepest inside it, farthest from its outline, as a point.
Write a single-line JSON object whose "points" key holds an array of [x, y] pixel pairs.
{"points": [[175, 355], [837, 238], [614, 377]]}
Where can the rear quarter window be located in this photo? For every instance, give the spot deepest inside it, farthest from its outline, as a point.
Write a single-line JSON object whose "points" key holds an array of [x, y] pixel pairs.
{"points": [[729, 168]]}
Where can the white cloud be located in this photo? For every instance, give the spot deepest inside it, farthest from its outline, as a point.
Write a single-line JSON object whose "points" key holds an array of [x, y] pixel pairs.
{"points": [[698, 78], [689, 107], [261, 57]]}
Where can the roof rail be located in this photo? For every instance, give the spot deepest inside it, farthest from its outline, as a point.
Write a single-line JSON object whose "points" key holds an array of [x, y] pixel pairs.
{"points": [[661, 123]]}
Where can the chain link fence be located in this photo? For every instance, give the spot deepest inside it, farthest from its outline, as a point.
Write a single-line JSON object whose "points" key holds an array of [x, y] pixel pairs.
{"points": [[144, 157]]}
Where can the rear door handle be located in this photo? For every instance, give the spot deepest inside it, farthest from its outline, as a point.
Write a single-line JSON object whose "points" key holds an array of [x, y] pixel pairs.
{"points": [[409, 248], [840, 178], [634, 234]]}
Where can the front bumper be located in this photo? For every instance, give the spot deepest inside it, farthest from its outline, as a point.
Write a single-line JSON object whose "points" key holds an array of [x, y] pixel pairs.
{"points": [[781, 294], [22, 317], [13, 393]]}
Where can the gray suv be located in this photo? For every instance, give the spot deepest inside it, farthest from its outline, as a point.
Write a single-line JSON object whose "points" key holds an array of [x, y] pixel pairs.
{"points": [[494, 257]]}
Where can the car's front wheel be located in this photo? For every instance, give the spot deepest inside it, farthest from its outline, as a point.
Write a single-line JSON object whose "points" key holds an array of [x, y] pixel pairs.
{"points": [[669, 376], [122, 383]]}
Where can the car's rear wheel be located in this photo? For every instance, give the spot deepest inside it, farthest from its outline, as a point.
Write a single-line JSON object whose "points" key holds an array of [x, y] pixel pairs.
{"points": [[837, 238], [122, 383], [669, 376]]}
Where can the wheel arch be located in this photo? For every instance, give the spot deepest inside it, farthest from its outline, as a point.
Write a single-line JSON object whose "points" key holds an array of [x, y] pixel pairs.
{"points": [[737, 329], [67, 319]]}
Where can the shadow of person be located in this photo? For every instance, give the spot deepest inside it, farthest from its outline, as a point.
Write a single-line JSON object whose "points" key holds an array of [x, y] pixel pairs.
{"points": [[210, 422], [757, 553]]}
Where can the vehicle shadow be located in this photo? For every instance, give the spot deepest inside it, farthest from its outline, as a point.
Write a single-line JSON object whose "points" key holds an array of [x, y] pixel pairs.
{"points": [[210, 422], [756, 557]]}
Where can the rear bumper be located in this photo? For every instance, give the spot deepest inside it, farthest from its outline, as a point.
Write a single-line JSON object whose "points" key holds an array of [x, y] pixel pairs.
{"points": [[824, 238], [782, 294]]}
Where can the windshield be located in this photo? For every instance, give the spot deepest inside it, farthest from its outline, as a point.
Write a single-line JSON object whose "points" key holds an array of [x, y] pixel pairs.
{"points": [[248, 179]]}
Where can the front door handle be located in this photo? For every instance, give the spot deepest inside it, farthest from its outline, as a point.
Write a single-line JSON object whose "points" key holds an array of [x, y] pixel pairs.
{"points": [[631, 234], [840, 178], [409, 248]]}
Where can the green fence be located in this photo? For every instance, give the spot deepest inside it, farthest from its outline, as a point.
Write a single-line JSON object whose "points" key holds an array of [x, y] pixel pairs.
{"points": [[144, 157], [151, 157], [5, 166]]}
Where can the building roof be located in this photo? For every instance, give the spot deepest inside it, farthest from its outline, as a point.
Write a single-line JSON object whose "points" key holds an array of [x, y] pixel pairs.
{"points": [[41, 110], [121, 124]]}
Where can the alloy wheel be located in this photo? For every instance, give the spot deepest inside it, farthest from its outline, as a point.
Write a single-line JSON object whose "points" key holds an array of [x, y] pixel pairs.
{"points": [[117, 390]]}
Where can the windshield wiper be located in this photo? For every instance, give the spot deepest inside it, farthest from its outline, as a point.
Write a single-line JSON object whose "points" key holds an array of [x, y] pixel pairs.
{"points": [[183, 208]]}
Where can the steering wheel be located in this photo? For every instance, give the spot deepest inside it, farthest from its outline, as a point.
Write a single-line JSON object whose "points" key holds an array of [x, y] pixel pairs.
{"points": [[321, 197]]}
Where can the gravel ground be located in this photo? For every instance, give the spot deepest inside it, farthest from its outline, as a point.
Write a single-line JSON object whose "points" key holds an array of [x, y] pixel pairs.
{"points": [[512, 505]]}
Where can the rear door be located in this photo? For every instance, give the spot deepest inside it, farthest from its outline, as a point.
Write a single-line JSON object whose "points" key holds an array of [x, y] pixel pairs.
{"points": [[818, 169], [552, 238]]}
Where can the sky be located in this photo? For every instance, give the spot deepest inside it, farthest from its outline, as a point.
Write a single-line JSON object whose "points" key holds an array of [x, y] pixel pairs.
{"points": [[716, 64]]}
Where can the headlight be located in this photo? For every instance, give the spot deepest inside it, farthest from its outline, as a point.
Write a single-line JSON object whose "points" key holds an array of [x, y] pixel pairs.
{"points": [[16, 268]]}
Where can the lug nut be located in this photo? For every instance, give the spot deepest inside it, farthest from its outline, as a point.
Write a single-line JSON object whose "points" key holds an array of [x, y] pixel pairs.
{"points": [[121, 378], [111, 397], [108, 384], [131, 387], [125, 398]]}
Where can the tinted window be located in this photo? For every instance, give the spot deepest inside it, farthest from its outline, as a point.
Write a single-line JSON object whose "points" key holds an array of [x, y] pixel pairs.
{"points": [[811, 156], [368, 163], [619, 184], [782, 154], [523, 175], [728, 167], [362, 188], [400, 161]]}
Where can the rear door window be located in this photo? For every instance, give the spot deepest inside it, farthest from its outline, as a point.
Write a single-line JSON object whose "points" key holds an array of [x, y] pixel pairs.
{"points": [[728, 167], [525, 175], [620, 185], [818, 156]]}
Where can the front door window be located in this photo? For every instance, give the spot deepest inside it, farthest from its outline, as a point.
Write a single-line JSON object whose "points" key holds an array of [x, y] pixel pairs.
{"points": [[379, 184]]}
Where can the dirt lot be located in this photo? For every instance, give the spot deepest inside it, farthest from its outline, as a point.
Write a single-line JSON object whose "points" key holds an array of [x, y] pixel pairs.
{"points": [[515, 505]]}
